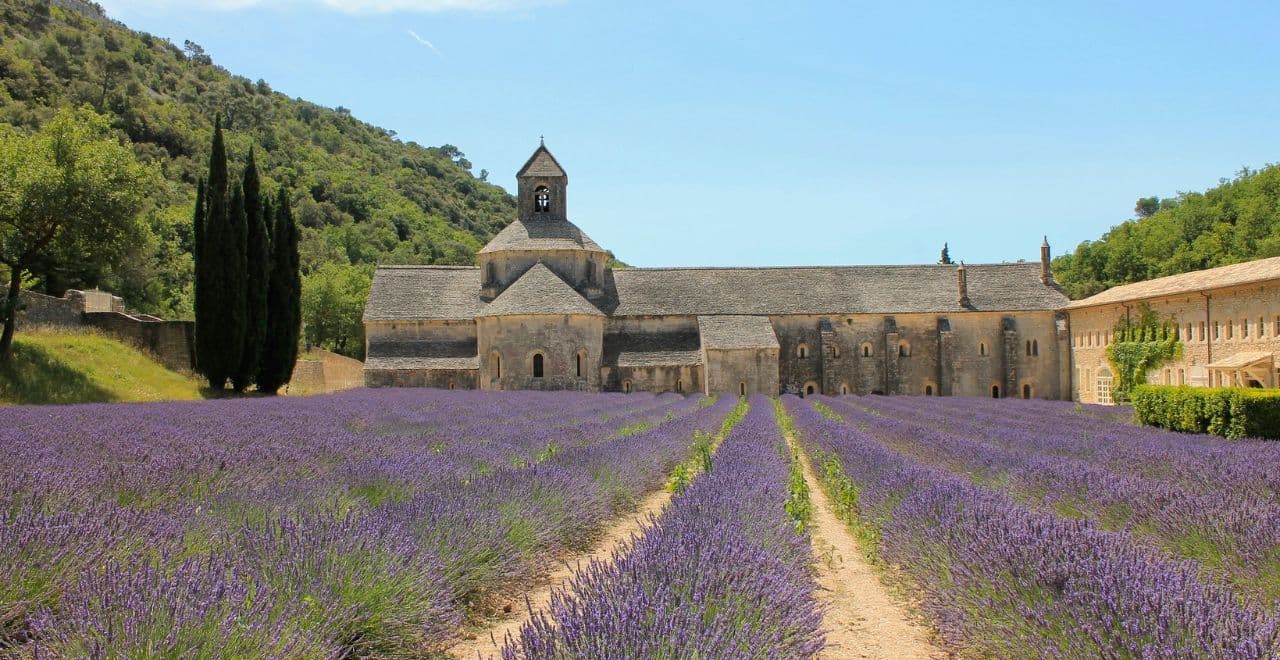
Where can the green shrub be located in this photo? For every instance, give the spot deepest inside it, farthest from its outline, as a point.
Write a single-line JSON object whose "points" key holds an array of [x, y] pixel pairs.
{"points": [[1228, 412]]}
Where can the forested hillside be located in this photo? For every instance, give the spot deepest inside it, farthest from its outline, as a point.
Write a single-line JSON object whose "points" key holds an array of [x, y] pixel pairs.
{"points": [[361, 196], [1239, 220]]}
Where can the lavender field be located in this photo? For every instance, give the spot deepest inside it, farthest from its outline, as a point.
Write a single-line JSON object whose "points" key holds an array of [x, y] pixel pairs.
{"points": [[1037, 529], [394, 523]]}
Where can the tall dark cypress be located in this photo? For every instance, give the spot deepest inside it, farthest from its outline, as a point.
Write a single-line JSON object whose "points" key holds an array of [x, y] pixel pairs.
{"points": [[197, 245], [257, 274], [211, 298], [284, 301]]}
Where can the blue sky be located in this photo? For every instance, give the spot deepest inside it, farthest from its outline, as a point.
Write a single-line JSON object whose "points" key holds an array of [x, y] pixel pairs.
{"points": [[753, 133]]}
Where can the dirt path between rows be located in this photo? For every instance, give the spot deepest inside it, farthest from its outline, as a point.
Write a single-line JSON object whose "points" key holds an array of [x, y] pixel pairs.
{"points": [[862, 620], [483, 645]]}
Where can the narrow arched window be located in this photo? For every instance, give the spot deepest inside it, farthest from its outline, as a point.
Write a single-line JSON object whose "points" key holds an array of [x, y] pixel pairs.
{"points": [[541, 200], [835, 350], [1035, 347], [802, 351], [578, 361], [537, 365], [904, 349], [680, 386], [928, 390], [742, 389], [1026, 391], [491, 274], [844, 389], [982, 348], [1028, 348], [626, 386], [450, 384], [866, 349], [495, 366], [995, 391]]}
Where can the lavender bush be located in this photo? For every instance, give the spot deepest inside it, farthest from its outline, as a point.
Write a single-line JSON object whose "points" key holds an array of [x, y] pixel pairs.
{"points": [[721, 573]]}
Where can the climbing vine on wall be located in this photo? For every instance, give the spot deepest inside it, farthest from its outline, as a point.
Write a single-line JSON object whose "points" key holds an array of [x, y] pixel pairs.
{"points": [[1140, 343]]}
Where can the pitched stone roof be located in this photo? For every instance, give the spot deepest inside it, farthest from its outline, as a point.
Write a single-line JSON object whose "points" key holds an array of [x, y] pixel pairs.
{"points": [[539, 291], [1249, 272], [424, 293], [541, 234], [734, 332], [665, 349], [453, 293], [829, 290], [541, 163]]}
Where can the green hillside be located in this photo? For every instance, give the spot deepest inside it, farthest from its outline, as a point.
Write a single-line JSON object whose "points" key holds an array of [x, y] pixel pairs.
{"points": [[361, 195], [1236, 221], [62, 366]]}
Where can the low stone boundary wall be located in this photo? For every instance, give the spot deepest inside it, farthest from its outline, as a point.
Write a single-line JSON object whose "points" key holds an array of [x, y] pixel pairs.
{"points": [[319, 370], [172, 342]]}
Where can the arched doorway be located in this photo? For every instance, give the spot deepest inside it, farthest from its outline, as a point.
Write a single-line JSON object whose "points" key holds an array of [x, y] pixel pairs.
{"points": [[995, 391]]}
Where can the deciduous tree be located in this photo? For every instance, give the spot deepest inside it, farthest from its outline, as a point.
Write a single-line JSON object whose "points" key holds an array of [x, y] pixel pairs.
{"points": [[72, 190]]}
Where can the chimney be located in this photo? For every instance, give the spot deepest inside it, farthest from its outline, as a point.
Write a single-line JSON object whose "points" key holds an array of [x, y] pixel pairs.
{"points": [[1046, 275], [963, 281]]}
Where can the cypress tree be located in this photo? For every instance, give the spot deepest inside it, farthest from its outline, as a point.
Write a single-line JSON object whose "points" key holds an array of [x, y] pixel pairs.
{"points": [[284, 301], [257, 273], [197, 245], [211, 296]]}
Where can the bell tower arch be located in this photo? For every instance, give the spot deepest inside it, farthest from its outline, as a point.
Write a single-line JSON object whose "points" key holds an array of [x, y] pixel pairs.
{"points": [[542, 184]]}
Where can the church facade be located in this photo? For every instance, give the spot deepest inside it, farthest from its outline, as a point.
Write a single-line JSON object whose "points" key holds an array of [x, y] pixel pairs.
{"points": [[543, 310]]}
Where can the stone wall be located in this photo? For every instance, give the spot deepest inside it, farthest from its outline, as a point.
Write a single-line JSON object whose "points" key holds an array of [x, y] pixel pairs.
{"points": [[681, 379], [957, 355], [319, 370], [507, 345], [448, 379], [1212, 326], [741, 371], [172, 342], [37, 309]]}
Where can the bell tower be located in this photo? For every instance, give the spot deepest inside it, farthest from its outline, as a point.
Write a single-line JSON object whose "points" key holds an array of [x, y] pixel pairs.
{"points": [[542, 183]]}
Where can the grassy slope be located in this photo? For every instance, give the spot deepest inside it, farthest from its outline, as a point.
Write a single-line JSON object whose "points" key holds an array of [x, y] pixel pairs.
{"points": [[58, 366]]}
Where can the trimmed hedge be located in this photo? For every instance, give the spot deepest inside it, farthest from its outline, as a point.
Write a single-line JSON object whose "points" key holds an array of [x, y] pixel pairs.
{"points": [[1230, 412]]}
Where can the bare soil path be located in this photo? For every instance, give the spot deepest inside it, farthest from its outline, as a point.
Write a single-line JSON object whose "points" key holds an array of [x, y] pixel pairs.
{"points": [[484, 646], [862, 619]]}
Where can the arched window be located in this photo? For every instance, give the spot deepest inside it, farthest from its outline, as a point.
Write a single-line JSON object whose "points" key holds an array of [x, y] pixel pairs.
{"points": [[1028, 348], [844, 388], [802, 351], [867, 351], [491, 274], [928, 390], [495, 366], [541, 200], [810, 388], [904, 349], [626, 386], [835, 350], [578, 363], [1035, 347], [995, 391], [1026, 391], [742, 389], [450, 384], [680, 386], [537, 365], [1230, 329], [982, 348], [591, 272]]}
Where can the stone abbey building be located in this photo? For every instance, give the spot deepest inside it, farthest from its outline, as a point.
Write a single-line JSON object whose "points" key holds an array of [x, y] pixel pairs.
{"points": [[543, 310]]}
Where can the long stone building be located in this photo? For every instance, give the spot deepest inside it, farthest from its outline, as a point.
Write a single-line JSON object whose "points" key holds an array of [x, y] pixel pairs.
{"points": [[543, 310], [1228, 321]]}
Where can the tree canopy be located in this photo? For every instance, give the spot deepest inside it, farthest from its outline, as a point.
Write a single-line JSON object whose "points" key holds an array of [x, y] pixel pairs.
{"points": [[69, 194], [1236, 221]]}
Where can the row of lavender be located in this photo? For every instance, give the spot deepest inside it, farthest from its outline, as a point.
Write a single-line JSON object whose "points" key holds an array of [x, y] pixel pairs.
{"points": [[1004, 579], [351, 524], [1119, 477], [721, 573]]}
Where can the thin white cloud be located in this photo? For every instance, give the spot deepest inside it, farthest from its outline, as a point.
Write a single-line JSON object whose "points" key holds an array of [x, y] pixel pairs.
{"points": [[424, 42], [345, 6]]}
